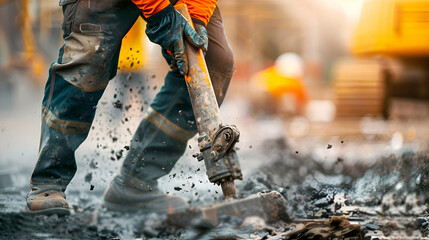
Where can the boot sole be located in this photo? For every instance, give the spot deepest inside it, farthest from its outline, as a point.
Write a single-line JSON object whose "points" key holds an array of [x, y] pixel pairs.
{"points": [[121, 208], [51, 211]]}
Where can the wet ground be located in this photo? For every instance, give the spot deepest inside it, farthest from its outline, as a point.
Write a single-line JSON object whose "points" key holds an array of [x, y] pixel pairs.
{"points": [[347, 179]]}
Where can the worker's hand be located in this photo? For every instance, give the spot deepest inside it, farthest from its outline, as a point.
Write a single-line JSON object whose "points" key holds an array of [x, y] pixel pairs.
{"points": [[202, 32], [168, 29]]}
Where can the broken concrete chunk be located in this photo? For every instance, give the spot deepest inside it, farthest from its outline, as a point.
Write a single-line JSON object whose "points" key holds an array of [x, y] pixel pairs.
{"points": [[269, 206]]}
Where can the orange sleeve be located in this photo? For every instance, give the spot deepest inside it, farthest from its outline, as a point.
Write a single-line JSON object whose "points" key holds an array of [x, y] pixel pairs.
{"points": [[201, 9], [150, 7]]}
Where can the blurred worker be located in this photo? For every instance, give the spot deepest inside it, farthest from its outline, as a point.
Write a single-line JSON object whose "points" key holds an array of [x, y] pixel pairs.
{"points": [[93, 31], [280, 89]]}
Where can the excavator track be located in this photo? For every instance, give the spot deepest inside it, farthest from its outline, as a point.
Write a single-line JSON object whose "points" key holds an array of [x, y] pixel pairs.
{"points": [[359, 88]]}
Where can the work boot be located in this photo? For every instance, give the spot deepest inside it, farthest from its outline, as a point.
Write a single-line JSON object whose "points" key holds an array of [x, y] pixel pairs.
{"points": [[47, 201], [130, 197]]}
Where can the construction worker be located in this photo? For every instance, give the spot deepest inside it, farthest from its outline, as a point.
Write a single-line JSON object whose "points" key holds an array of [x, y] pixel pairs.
{"points": [[87, 61], [280, 86]]}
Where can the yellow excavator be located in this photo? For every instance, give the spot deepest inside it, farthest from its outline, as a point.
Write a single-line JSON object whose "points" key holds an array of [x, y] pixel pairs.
{"points": [[391, 45]]}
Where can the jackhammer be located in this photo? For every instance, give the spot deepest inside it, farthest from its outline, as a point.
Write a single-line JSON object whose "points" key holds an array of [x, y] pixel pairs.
{"points": [[216, 140]]}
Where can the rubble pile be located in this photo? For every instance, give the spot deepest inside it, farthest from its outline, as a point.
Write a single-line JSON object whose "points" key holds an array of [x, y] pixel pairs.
{"points": [[387, 198]]}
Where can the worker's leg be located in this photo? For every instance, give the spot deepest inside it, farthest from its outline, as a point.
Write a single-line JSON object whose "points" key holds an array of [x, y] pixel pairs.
{"points": [[169, 123], [219, 57], [93, 31]]}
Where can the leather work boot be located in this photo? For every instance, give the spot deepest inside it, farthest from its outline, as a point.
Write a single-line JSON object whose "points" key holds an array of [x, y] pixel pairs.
{"points": [[47, 202], [128, 198]]}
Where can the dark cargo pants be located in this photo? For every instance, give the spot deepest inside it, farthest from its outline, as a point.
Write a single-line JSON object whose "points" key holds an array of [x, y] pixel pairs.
{"points": [[93, 31]]}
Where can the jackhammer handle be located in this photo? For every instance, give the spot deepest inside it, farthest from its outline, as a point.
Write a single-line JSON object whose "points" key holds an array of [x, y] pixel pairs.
{"points": [[203, 98]]}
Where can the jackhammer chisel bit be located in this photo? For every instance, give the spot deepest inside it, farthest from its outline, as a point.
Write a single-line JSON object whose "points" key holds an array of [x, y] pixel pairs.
{"points": [[216, 140], [270, 206]]}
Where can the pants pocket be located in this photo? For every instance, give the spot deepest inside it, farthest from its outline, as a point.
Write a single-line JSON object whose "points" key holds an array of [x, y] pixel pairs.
{"points": [[69, 13]]}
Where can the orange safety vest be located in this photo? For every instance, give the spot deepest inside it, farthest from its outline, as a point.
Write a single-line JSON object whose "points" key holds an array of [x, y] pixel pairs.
{"points": [[199, 9]]}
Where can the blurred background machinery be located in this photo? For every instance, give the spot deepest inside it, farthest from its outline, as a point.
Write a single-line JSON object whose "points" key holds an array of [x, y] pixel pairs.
{"points": [[389, 75]]}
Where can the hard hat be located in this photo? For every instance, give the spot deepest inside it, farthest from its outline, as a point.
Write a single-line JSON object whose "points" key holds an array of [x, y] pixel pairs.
{"points": [[289, 65]]}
